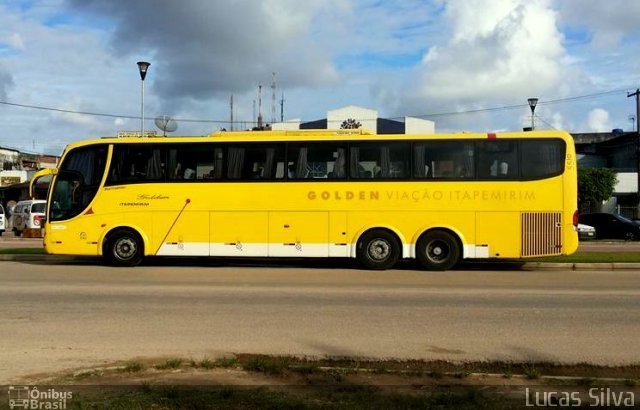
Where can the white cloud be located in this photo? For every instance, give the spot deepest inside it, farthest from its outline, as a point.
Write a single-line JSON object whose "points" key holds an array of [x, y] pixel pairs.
{"points": [[514, 46], [13, 40], [608, 22], [598, 120], [401, 57], [557, 121]]}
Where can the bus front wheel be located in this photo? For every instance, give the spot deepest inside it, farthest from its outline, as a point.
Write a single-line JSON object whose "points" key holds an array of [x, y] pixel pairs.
{"points": [[124, 247], [437, 250], [378, 249]]}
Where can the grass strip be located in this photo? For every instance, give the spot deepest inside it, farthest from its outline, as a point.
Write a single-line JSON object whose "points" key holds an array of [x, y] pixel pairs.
{"points": [[591, 257], [289, 397], [22, 251]]}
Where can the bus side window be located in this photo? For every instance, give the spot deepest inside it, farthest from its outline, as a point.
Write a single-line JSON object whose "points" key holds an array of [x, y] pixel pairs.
{"points": [[194, 161], [444, 159], [382, 159], [318, 161], [497, 159], [256, 161], [136, 163], [545, 158]]}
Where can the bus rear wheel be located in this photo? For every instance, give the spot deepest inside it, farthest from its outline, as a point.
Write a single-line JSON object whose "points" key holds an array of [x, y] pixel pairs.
{"points": [[378, 249], [124, 247], [438, 250]]}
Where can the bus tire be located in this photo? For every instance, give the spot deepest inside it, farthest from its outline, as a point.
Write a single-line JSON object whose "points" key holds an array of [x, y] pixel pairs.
{"points": [[378, 249], [123, 247], [438, 250]]}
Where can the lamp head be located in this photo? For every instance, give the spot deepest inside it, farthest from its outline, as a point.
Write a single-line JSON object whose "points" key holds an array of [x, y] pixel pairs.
{"points": [[143, 66]]}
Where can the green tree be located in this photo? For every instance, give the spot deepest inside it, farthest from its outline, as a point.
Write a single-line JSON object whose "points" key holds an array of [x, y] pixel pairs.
{"points": [[594, 186]]}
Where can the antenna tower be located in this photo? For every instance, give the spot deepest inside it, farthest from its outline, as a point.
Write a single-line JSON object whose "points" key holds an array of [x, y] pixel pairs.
{"points": [[273, 97], [259, 106], [231, 117], [253, 119]]}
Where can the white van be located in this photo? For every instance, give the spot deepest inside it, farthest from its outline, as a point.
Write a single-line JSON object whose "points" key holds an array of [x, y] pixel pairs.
{"points": [[2, 220], [28, 215]]}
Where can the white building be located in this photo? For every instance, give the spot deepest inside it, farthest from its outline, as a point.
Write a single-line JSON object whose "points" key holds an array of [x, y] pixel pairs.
{"points": [[9, 158], [353, 116]]}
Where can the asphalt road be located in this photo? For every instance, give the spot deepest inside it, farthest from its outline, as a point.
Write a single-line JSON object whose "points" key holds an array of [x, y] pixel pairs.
{"points": [[59, 316]]}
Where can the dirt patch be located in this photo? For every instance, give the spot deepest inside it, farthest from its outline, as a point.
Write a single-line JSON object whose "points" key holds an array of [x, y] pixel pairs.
{"points": [[258, 381]]}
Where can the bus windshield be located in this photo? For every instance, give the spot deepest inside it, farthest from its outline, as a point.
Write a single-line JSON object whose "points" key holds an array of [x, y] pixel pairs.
{"points": [[77, 182]]}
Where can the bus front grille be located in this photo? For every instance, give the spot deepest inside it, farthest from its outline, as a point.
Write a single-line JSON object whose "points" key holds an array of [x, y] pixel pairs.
{"points": [[541, 233]]}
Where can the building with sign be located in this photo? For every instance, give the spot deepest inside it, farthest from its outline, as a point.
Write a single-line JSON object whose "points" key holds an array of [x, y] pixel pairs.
{"points": [[353, 116], [16, 169]]}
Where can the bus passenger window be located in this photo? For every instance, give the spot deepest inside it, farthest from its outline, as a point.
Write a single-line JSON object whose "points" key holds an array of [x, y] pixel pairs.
{"points": [[497, 159], [444, 159], [256, 161], [316, 161], [545, 158], [136, 163], [380, 159]]}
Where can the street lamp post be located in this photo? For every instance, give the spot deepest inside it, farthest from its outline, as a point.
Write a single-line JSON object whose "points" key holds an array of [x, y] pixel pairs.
{"points": [[532, 104], [143, 66]]}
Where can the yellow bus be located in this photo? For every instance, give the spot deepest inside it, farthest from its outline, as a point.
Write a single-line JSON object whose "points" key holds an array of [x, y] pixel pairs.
{"points": [[437, 198]]}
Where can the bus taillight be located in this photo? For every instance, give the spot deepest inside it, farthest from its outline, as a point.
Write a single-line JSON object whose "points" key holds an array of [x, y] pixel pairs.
{"points": [[575, 218]]}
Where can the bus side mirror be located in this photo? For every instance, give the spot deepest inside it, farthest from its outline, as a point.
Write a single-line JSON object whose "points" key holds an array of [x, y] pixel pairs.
{"points": [[40, 174]]}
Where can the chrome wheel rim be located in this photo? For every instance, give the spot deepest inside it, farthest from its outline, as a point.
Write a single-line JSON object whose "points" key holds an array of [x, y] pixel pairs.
{"points": [[125, 248], [379, 249], [438, 251]]}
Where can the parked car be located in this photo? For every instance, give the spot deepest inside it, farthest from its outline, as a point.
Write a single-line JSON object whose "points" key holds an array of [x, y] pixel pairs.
{"points": [[28, 215], [611, 226], [2, 220], [586, 232]]}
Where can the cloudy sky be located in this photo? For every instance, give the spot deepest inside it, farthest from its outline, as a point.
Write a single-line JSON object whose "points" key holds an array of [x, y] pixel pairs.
{"points": [[468, 65]]}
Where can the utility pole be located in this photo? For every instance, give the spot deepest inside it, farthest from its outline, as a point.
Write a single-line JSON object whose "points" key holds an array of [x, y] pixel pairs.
{"points": [[273, 97], [282, 108], [254, 122], [637, 95], [231, 119], [260, 107]]}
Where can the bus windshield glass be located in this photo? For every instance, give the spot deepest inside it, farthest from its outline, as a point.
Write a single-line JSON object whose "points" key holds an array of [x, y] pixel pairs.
{"points": [[77, 182]]}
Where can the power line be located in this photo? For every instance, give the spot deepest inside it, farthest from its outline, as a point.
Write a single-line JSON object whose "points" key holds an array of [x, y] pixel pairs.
{"points": [[518, 106], [546, 122], [99, 114], [431, 115]]}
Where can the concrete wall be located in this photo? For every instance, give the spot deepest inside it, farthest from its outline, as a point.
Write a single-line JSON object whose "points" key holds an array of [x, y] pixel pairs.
{"points": [[289, 125], [414, 125], [627, 183]]}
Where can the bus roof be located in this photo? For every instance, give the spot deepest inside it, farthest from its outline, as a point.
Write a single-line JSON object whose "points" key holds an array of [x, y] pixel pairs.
{"points": [[317, 135]]}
